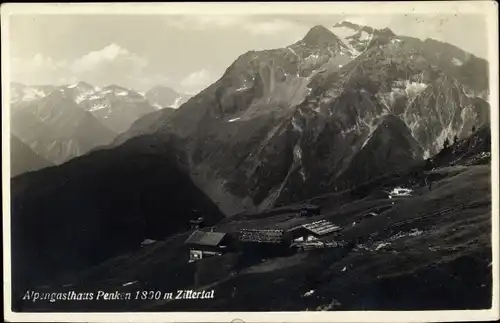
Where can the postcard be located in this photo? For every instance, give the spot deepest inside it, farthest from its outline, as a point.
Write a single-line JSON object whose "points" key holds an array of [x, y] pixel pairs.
{"points": [[250, 162]]}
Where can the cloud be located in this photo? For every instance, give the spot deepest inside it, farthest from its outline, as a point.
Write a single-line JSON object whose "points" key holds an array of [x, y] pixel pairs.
{"points": [[274, 27], [252, 24], [37, 68], [110, 65], [197, 81], [145, 83], [202, 22], [109, 55]]}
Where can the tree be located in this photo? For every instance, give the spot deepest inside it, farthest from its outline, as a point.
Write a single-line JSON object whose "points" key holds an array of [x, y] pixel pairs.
{"points": [[446, 143]]}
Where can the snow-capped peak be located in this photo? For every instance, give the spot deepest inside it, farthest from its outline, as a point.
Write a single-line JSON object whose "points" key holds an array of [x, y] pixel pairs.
{"points": [[24, 93]]}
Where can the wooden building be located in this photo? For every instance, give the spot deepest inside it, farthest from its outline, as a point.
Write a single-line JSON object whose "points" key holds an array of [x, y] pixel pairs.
{"points": [[204, 244], [312, 231], [197, 223], [264, 241], [310, 210]]}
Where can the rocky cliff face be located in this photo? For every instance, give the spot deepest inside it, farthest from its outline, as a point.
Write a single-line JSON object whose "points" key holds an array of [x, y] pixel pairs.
{"points": [[283, 124], [114, 106], [56, 128], [63, 122]]}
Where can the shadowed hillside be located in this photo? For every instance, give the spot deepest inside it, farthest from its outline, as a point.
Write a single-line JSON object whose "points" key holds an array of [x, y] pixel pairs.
{"points": [[94, 207]]}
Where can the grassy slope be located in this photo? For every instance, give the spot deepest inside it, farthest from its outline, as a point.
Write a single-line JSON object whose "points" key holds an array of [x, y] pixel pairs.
{"points": [[443, 267]]}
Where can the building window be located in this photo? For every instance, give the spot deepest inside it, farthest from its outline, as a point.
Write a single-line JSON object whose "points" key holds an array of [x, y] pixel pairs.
{"points": [[195, 255]]}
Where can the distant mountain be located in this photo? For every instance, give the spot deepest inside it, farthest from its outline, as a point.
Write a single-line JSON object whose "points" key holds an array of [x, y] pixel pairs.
{"points": [[165, 97], [20, 92], [77, 214], [63, 122], [56, 128], [114, 106], [23, 159]]}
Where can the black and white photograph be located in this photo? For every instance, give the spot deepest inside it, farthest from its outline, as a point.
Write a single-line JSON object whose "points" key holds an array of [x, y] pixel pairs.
{"points": [[320, 161]]}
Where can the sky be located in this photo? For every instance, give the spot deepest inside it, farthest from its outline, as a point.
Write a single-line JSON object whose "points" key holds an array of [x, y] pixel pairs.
{"points": [[187, 52]]}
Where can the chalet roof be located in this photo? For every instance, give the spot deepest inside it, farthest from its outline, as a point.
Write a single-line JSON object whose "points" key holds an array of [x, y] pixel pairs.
{"points": [[310, 207], [261, 236], [197, 221], [320, 228], [203, 238]]}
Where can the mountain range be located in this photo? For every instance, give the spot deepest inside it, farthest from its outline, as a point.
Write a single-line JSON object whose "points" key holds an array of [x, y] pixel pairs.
{"points": [[285, 124], [62, 122], [333, 111]]}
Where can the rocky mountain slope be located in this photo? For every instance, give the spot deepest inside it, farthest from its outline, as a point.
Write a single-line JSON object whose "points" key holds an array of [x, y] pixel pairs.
{"points": [[148, 124], [20, 92], [56, 128], [23, 159], [114, 106], [53, 121], [296, 117]]}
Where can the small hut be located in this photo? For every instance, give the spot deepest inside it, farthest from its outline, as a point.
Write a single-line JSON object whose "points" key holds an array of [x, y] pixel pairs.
{"points": [[206, 244], [309, 210], [197, 223], [312, 231]]}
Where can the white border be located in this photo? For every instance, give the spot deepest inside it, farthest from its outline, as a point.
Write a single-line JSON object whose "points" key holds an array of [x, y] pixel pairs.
{"points": [[487, 8]]}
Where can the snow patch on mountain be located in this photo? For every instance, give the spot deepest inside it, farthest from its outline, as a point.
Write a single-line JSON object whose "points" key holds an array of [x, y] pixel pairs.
{"points": [[293, 52], [93, 97], [414, 88], [456, 61], [343, 32], [86, 96], [296, 125], [364, 35], [27, 94], [312, 56], [243, 88], [98, 107], [297, 152], [178, 102], [33, 94]]}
